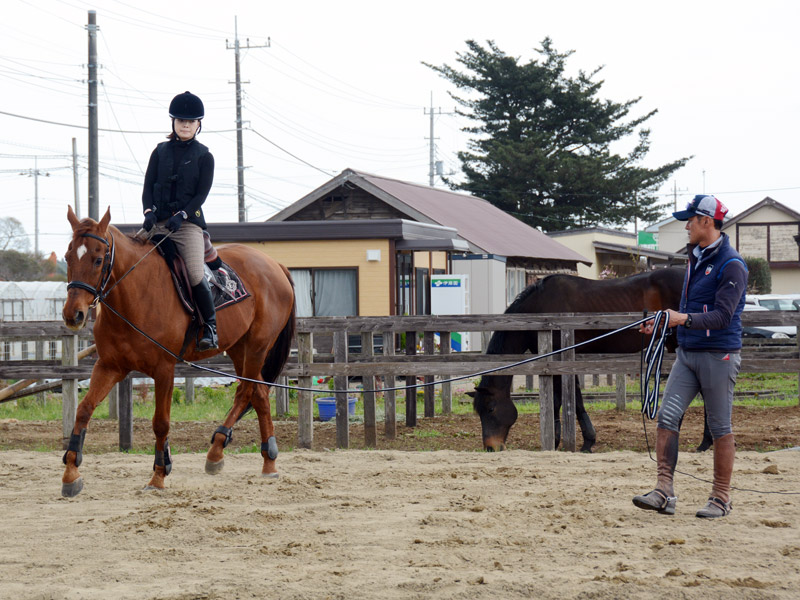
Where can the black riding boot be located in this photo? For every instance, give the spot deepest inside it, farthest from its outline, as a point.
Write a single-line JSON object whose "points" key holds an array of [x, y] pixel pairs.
{"points": [[205, 302]]}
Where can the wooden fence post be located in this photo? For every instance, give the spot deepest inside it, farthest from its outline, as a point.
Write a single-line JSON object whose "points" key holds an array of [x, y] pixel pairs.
{"points": [[546, 409], [411, 382], [305, 400], [281, 397], [428, 390], [369, 383], [340, 383], [568, 394], [113, 402], [389, 397], [69, 388], [447, 388], [621, 391], [188, 389], [126, 413]]}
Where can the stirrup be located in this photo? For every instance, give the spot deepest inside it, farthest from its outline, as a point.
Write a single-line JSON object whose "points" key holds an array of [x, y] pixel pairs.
{"points": [[657, 500]]}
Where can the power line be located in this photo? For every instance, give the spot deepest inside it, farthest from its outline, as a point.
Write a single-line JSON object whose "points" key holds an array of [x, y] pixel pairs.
{"points": [[282, 149]]}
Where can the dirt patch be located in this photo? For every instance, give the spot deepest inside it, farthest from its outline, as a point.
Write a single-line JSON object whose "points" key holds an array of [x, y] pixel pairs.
{"points": [[393, 525], [756, 429]]}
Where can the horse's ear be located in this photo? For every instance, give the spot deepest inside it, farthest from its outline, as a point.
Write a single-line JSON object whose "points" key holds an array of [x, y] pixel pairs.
{"points": [[106, 219], [72, 218], [471, 394]]}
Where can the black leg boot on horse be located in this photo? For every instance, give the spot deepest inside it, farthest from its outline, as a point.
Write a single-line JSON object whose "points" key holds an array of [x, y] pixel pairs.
{"points": [[205, 302], [662, 499], [719, 503]]}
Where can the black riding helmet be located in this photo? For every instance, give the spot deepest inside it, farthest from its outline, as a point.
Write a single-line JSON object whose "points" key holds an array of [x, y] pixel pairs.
{"points": [[188, 107]]}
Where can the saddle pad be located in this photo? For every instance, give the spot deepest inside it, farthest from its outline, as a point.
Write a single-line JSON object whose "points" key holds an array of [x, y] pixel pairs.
{"points": [[226, 286]]}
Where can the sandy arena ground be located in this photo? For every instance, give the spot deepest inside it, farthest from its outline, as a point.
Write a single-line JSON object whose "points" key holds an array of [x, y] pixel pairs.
{"points": [[390, 524]]}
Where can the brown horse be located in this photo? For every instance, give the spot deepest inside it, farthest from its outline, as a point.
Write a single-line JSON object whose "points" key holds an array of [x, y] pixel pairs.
{"points": [[653, 290], [256, 333]]}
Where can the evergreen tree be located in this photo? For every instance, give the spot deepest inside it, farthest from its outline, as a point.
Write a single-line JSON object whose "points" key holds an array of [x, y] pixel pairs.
{"points": [[542, 145]]}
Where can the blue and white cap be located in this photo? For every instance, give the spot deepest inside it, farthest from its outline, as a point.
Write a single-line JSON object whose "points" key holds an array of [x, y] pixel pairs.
{"points": [[705, 206]]}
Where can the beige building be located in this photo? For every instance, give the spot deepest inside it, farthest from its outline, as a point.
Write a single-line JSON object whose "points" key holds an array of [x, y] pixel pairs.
{"points": [[615, 253], [770, 230]]}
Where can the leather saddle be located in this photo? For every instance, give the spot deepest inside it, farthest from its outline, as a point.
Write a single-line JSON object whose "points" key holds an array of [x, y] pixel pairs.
{"points": [[226, 286]]}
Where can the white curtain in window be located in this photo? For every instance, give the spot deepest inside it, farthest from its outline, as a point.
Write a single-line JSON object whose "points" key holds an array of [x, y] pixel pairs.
{"points": [[302, 292], [335, 293]]}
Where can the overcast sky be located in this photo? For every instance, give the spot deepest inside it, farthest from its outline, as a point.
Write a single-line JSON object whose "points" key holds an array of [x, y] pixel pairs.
{"points": [[342, 85]]}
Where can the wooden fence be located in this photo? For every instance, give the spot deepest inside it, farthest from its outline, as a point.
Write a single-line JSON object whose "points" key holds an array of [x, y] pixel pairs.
{"points": [[392, 365]]}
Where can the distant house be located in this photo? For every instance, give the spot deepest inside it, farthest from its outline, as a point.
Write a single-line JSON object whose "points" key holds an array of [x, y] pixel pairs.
{"points": [[671, 235], [768, 230], [613, 251], [500, 254]]}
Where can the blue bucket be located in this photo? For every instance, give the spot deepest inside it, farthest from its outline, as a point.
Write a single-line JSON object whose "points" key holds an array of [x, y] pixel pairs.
{"points": [[327, 407]]}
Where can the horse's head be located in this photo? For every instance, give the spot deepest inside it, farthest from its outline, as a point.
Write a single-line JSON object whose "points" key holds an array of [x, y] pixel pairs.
{"points": [[87, 267], [497, 413]]}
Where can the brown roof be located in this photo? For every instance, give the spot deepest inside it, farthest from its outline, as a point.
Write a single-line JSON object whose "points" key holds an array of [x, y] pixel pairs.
{"points": [[485, 227], [765, 202]]}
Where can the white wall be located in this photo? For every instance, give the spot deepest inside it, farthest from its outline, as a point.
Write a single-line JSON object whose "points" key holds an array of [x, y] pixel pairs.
{"points": [[487, 278]]}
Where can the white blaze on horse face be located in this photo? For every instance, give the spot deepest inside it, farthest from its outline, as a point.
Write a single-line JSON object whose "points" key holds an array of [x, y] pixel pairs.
{"points": [[81, 251]]}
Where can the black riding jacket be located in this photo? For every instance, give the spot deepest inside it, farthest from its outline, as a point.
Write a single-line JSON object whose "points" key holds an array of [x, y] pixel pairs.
{"points": [[179, 177]]}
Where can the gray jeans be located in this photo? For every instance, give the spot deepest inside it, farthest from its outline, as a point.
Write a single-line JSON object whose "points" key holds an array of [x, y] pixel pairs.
{"points": [[711, 373], [189, 240]]}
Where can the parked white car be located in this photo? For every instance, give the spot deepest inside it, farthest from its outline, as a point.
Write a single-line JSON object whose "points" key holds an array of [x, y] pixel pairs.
{"points": [[775, 301], [767, 331]]}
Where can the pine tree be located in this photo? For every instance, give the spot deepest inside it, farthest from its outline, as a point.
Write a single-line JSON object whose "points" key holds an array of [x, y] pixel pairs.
{"points": [[541, 145]]}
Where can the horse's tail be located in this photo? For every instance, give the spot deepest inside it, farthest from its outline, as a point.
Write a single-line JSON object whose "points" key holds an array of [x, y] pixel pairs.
{"points": [[279, 354]]}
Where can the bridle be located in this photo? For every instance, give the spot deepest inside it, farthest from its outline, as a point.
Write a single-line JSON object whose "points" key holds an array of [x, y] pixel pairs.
{"points": [[98, 294]]}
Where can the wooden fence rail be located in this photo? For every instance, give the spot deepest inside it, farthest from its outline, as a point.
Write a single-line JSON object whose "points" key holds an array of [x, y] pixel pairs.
{"points": [[419, 360]]}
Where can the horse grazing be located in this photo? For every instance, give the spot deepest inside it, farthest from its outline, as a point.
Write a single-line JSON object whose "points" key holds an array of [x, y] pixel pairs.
{"points": [[652, 290], [255, 332]]}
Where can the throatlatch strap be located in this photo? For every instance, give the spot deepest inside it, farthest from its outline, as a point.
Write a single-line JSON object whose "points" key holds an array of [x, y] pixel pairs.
{"points": [[227, 431], [270, 447], [163, 458], [76, 446]]}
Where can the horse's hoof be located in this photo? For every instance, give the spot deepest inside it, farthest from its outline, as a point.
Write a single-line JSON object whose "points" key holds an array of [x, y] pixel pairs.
{"points": [[152, 488], [213, 468], [587, 447], [70, 490], [270, 475]]}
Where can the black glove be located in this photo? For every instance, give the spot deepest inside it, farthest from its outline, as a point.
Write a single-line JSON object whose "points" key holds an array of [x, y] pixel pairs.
{"points": [[175, 221], [149, 221]]}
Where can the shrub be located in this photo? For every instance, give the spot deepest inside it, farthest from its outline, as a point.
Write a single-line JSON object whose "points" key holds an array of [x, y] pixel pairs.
{"points": [[759, 278]]}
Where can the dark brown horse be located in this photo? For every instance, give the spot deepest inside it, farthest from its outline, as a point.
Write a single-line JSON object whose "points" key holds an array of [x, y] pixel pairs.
{"points": [[652, 291], [256, 333]]}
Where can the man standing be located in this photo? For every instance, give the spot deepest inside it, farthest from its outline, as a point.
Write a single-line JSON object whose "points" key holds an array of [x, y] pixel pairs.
{"points": [[709, 327]]}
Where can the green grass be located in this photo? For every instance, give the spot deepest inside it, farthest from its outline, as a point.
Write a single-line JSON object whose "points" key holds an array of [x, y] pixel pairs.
{"points": [[213, 403]]}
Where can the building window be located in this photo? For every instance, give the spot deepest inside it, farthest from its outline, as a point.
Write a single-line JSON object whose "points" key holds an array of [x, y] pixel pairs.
{"points": [[773, 242], [326, 292], [515, 283], [13, 310]]}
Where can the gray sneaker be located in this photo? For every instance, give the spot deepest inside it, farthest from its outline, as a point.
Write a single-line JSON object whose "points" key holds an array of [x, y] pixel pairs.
{"points": [[714, 509]]}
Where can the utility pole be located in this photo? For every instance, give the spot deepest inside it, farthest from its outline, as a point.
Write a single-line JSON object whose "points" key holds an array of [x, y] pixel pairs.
{"points": [[432, 163], [75, 180], [94, 167], [35, 172], [239, 145]]}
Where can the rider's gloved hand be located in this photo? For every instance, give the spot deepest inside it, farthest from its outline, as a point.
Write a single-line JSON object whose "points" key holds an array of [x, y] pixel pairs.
{"points": [[149, 220], [175, 221]]}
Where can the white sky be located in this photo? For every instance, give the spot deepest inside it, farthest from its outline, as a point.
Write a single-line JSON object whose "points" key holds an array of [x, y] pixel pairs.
{"points": [[342, 85]]}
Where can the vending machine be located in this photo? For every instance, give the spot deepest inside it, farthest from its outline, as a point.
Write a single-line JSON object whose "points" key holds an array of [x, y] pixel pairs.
{"points": [[450, 296]]}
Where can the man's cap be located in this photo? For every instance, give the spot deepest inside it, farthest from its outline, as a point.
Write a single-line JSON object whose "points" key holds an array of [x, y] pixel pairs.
{"points": [[704, 206]]}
